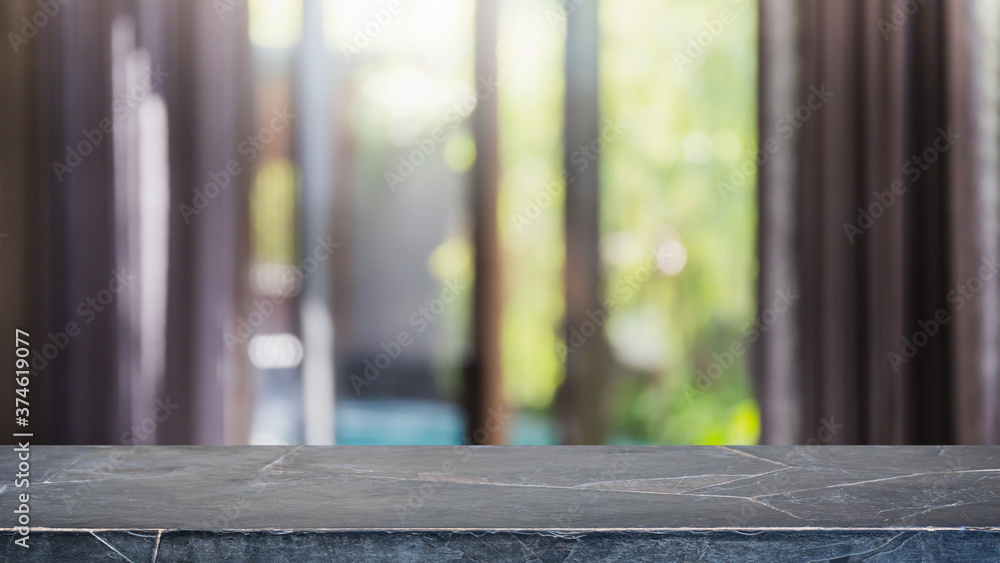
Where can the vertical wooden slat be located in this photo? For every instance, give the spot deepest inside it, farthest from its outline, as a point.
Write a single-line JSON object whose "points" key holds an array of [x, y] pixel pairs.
{"points": [[484, 392], [581, 397]]}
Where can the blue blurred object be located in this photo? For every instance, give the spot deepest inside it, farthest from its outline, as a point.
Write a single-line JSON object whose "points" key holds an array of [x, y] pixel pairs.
{"points": [[424, 423], [399, 422]]}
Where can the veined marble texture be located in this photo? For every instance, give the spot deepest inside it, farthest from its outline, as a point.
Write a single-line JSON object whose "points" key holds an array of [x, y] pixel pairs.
{"points": [[560, 503]]}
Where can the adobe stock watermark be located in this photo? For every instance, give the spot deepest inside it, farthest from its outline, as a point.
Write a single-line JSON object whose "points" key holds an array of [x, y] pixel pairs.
{"points": [[783, 301], [557, 18], [295, 278], [30, 26], [929, 498], [226, 514], [121, 108], [777, 481], [625, 288], [496, 420], [249, 149], [697, 45], [900, 15], [582, 158], [224, 7], [621, 464], [364, 34], [927, 329], [913, 168], [585, 155], [146, 428], [785, 127], [87, 311], [163, 409], [421, 319], [427, 145]]}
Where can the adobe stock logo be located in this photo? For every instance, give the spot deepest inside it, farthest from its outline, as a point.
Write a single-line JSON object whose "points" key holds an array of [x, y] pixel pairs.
{"points": [[364, 35], [426, 145], [250, 148], [295, 278], [900, 15], [121, 108], [30, 27], [913, 169], [698, 44], [786, 127], [394, 348], [142, 431], [753, 330], [557, 18], [87, 310], [959, 297], [582, 157]]}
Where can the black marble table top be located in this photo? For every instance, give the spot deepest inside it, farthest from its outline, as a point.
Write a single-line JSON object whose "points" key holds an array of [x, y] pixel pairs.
{"points": [[501, 503]]}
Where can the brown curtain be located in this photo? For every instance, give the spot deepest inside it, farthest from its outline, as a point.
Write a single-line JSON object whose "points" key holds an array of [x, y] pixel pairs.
{"points": [[879, 212], [68, 234]]}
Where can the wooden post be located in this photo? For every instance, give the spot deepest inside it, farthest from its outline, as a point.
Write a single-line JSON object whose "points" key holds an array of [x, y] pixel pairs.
{"points": [[581, 397], [483, 389]]}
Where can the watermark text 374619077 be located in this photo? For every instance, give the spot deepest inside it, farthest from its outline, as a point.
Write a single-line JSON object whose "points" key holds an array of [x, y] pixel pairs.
{"points": [[22, 513]]}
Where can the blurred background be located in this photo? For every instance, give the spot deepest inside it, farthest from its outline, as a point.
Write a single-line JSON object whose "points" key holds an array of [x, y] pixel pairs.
{"points": [[502, 221]]}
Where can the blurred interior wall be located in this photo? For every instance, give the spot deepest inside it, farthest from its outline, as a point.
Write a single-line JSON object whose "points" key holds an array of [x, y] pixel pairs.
{"points": [[71, 242], [879, 212]]}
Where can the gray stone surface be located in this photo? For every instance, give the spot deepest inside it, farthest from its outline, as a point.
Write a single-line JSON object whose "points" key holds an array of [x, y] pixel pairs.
{"points": [[508, 503]]}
